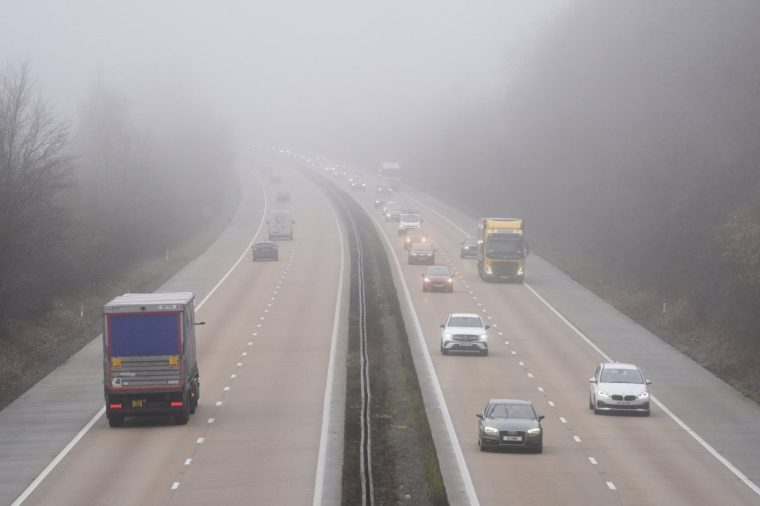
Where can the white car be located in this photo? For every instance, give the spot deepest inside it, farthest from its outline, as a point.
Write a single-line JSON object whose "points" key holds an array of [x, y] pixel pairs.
{"points": [[464, 332], [618, 387], [409, 220]]}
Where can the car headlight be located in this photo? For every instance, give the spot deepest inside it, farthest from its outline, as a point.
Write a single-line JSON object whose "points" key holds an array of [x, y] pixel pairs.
{"points": [[604, 394], [520, 271], [446, 335], [489, 270], [451, 280], [644, 395], [427, 280], [534, 432], [483, 337], [490, 430]]}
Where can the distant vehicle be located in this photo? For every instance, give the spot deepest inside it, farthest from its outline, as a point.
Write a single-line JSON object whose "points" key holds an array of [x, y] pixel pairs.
{"points": [[282, 196], [464, 332], [421, 253], [468, 248], [381, 197], [510, 423], [415, 237], [265, 250], [618, 387], [390, 175], [149, 358], [275, 179], [357, 185], [280, 225], [437, 278], [392, 212], [501, 249], [409, 219]]}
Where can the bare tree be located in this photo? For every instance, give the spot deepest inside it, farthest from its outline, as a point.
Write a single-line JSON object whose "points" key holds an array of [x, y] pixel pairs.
{"points": [[33, 172]]}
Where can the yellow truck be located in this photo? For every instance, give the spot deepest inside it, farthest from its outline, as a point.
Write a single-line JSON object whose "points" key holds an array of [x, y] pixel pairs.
{"points": [[501, 249]]}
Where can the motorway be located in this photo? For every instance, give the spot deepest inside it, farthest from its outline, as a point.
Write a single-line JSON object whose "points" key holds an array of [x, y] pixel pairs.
{"points": [[259, 437], [538, 355], [263, 354]]}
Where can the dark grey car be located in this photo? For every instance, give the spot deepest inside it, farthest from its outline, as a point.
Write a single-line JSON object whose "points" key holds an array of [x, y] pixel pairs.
{"points": [[510, 423], [468, 248], [265, 250]]}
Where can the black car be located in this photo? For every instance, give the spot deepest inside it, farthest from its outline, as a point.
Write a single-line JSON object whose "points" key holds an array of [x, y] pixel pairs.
{"points": [[421, 253], [468, 248], [510, 423], [265, 250], [437, 278]]}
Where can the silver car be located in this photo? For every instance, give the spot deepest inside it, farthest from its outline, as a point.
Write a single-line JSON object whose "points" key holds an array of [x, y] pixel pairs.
{"points": [[618, 387], [464, 332]]}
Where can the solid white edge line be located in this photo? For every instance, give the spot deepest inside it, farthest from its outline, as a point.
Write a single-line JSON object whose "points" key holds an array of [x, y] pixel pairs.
{"points": [[755, 488], [461, 463], [326, 405], [66, 449]]}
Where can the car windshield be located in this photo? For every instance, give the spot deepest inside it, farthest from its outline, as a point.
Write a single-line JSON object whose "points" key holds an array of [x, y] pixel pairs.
{"points": [[437, 271], [610, 375], [469, 242], [421, 247], [410, 217], [510, 411], [465, 321]]}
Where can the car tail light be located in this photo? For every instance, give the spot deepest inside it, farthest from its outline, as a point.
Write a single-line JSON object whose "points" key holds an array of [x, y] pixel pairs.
{"points": [[115, 406], [176, 404]]}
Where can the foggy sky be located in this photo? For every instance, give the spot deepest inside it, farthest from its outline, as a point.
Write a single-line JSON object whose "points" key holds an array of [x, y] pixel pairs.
{"points": [[317, 75]]}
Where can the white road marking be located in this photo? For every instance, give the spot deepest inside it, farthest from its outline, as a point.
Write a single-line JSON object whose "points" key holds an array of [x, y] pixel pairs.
{"points": [[240, 364], [188, 461], [514, 352], [250, 343], [540, 389], [530, 375], [200, 440], [211, 420], [489, 317], [261, 318], [521, 363], [501, 333], [175, 485], [233, 376], [577, 439], [255, 334], [723, 460], [611, 485], [226, 389], [551, 403], [562, 419], [66, 449], [218, 403], [258, 325], [592, 460], [495, 326], [245, 353]]}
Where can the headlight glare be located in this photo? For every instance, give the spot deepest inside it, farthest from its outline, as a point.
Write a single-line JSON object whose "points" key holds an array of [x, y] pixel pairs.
{"points": [[490, 430], [534, 431]]}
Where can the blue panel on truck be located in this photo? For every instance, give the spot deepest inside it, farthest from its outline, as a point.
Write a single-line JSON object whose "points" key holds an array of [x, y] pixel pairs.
{"points": [[144, 334]]}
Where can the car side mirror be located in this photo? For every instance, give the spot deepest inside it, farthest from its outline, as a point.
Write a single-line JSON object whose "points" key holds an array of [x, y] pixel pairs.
{"points": [[443, 326], [648, 382], [199, 323], [479, 415], [487, 327], [592, 380], [540, 417]]}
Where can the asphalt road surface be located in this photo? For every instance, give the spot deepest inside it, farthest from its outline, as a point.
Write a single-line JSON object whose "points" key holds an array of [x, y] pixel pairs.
{"points": [[263, 354], [536, 354]]}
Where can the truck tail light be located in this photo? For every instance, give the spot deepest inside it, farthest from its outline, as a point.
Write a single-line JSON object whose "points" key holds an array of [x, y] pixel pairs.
{"points": [[176, 404], [115, 406]]}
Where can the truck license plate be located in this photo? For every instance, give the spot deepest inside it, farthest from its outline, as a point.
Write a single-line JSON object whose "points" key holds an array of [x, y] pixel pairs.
{"points": [[137, 403]]}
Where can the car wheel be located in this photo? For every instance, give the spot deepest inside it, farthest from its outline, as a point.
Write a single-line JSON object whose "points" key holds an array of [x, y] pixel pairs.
{"points": [[484, 353], [590, 402], [444, 351], [182, 418], [115, 421], [540, 448], [481, 445], [596, 410], [424, 288], [646, 413]]}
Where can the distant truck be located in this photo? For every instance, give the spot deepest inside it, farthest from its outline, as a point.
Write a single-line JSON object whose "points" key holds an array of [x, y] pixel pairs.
{"points": [[149, 357], [501, 249], [390, 175], [280, 225]]}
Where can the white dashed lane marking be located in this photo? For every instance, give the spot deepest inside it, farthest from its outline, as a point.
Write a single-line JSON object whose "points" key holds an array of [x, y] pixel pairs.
{"points": [[540, 389], [577, 439], [188, 461], [611, 485], [175, 485], [592, 460]]}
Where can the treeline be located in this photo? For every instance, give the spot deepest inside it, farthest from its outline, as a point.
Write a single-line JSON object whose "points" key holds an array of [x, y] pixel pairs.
{"points": [[78, 205], [629, 142]]}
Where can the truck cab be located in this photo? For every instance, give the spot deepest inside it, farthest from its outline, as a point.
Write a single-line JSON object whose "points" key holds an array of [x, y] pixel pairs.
{"points": [[501, 249]]}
